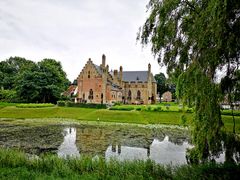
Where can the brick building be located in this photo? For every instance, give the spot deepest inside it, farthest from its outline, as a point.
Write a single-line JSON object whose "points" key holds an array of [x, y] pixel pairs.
{"points": [[96, 84]]}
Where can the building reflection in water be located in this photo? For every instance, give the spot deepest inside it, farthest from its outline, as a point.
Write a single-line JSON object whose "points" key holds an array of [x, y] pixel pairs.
{"points": [[162, 152], [68, 147], [122, 146]]}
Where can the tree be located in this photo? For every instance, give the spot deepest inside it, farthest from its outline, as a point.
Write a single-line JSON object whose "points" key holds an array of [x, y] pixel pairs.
{"points": [[161, 84], [33, 82], [11, 68], [44, 84], [54, 81], [194, 39]]}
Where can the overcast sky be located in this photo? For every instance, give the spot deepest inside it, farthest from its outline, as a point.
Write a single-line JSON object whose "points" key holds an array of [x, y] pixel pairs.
{"points": [[71, 31]]}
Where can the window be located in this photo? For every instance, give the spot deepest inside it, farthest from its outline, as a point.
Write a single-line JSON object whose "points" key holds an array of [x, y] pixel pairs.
{"points": [[88, 74], [129, 95], [90, 94], [138, 95]]}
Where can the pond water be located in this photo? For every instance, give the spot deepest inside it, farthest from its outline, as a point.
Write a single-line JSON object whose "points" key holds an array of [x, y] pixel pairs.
{"points": [[164, 145]]}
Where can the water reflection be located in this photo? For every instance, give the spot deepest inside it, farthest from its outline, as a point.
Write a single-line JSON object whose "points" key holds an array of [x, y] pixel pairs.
{"points": [[68, 147], [162, 152], [117, 143], [163, 145]]}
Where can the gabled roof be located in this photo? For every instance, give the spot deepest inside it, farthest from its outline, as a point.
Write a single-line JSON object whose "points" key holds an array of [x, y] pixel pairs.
{"points": [[129, 76]]}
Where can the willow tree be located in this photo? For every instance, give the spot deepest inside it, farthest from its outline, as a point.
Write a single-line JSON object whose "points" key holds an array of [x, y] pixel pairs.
{"points": [[195, 39]]}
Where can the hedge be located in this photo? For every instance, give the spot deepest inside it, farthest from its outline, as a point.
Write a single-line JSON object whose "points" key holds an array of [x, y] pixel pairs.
{"points": [[32, 105], [81, 105]]}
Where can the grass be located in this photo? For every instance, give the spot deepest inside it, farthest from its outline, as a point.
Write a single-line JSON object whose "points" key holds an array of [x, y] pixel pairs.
{"points": [[104, 115], [15, 165]]}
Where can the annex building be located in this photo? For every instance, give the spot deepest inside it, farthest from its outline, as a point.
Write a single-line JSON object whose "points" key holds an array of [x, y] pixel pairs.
{"points": [[96, 84]]}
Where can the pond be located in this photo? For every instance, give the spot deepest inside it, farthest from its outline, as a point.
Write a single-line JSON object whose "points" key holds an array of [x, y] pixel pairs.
{"points": [[162, 144]]}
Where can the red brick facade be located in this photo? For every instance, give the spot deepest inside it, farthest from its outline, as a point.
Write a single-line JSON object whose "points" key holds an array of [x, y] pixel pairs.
{"points": [[97, 85]]}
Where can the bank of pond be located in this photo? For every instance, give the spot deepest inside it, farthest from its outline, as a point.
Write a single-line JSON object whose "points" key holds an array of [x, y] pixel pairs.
{"points": [[64, 148], [17, 165]]}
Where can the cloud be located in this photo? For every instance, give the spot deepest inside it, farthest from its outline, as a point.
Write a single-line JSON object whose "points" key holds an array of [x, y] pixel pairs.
{"points": [[72, 31]]}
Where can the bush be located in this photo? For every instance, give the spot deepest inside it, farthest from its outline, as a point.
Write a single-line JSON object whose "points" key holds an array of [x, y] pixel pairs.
{"points": [[117, 104], [61, 103], [189, 111], [31, 105], [88, 105], [157, 109], [183, 120], [229, 112], [122, 108], [8, 96], [138, 108]]}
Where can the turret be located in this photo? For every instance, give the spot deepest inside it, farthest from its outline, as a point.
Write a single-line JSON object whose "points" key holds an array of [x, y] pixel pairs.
{"points": [[103, 60], [115, 74], [120, 73], [149, 68]]}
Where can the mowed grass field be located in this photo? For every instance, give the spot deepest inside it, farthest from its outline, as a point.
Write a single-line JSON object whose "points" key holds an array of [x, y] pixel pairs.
{"points": [[105, 115]]}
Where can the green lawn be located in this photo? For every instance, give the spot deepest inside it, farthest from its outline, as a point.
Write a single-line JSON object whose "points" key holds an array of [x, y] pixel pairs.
{"points": [[104, 115]]}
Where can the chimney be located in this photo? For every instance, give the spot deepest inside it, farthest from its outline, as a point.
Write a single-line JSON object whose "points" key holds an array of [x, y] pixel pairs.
{"points": [[149, 70], [103, 60], [115, 75], [120, 73]]}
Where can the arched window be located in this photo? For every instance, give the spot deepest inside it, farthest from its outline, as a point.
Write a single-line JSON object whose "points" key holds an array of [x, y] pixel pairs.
{"points": [[90, 94], [138, 95], [129, 95], [83, 96]]}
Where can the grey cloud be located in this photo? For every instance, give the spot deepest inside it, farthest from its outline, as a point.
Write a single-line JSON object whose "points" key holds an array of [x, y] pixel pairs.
{"points": [[74, 30]]}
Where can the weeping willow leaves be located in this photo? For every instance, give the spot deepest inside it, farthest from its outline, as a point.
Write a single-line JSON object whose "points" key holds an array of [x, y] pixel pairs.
{"points": [[194, 39], [196, 89]]}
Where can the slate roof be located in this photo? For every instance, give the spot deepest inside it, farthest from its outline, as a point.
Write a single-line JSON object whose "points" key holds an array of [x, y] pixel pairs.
{"points": [[129, 76]]}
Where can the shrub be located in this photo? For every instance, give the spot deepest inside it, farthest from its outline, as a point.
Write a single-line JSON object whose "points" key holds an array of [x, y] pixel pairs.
{"points": [[61, 103], [117, 104], [183, 120], [138, 108], [189, 111], [8, 96], [229, 112], [158, 109], [148, 108], [88, 105], [31, 105], [122, 108]]}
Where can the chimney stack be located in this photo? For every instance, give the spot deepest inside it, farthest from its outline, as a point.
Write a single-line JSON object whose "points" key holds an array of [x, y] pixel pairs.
{"points": [[120, 73], [103, 60]]}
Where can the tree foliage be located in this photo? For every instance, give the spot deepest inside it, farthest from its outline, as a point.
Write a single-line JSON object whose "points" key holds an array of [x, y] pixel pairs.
{"points": [[161, 83], [195, 39], [33, 82]]}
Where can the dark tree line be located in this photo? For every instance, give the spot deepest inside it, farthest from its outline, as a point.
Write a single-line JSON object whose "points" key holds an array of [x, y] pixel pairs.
{"points": [[27, 81]]}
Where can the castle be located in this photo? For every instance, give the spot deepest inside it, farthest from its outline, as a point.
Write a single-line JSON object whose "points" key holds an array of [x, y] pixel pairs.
{"points": [[96, 84]]}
